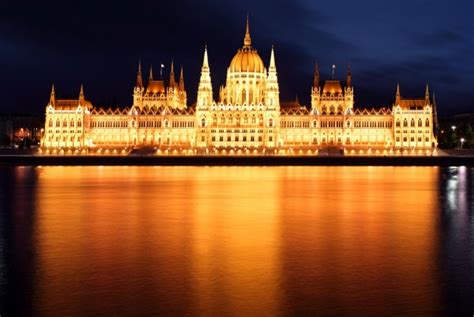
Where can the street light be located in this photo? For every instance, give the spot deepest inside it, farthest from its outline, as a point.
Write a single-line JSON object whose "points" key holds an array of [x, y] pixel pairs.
{"points": [[453, 127], [462, 142]]}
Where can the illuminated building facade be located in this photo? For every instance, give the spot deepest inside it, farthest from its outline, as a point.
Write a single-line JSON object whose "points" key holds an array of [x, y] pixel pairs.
{"points": [[246, 118]]}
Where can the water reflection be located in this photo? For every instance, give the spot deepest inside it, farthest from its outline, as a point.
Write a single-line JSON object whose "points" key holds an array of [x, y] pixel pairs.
{"points": [[238, 241]]}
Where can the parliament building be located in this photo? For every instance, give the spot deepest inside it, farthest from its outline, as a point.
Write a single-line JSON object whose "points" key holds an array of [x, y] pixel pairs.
{"points": [[246, 119]]}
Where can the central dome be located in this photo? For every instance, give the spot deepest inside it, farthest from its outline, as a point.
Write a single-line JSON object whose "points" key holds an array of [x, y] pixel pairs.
{"points": [[247, 58]]}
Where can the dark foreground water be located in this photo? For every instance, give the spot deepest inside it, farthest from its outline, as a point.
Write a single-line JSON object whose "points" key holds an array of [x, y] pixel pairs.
{"points": [[236, 241]]}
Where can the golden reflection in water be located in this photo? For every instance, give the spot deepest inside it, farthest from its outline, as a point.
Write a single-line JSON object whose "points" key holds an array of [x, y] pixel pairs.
{"points": [[236, 240]]}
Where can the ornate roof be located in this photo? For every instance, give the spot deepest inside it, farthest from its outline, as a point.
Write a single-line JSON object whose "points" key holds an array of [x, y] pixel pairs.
{"points": [[332, 87], [155, 86]]}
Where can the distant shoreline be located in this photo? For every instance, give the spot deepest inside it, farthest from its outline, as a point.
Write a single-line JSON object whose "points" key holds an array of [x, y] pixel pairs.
{"points": [[201, 160]]}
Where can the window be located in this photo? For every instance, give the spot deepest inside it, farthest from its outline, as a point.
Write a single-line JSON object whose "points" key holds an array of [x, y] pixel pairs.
{"points": [[64, 123], [270, 122], [405, 123], [427, 123], [398, 124], [412, 123], [203, 122], [420, 123]]}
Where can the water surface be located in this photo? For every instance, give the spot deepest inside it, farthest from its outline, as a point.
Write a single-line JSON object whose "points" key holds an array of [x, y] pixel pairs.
{"points": [[236, 241]]}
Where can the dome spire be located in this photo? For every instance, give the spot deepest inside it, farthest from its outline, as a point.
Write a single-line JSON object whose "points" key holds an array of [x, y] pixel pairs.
{"points": [[247, 39]]}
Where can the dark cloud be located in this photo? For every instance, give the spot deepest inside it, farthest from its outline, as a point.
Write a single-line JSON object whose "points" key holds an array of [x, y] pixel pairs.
{"points": [[99, 44]]}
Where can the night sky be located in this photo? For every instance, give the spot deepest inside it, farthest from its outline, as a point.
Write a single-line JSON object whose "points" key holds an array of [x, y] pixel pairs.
{"points": [[72, 42]]}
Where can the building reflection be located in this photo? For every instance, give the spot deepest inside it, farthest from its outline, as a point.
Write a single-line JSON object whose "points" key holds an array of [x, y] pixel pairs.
{"points": [[456, 238], [241, 240]]}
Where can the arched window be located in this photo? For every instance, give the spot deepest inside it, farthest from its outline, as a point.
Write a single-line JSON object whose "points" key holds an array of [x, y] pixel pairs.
{"points": [[427, 123], [72, 123], [324, 110], [397, 124], [203, 122], [339, 110], [244, 94], [222, 119], [420, 123], [331, 110], [50, 122], [250, 96], [58, 123], [405, 123], [412, 123], [64, 123], [270, 122], [315, 124]]}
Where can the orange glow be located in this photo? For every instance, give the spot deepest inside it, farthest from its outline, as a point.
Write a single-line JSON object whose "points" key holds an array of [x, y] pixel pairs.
{"points": [[212, 241]]}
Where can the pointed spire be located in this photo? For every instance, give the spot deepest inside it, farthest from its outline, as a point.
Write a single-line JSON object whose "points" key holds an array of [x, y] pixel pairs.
{"points": [[139, 82], [172, 79], [316, 75], [52, 96], [181, 79], [397, 96], [349, 76], [272, 59], [435, 116], [427, 93], [205, 63], [247, 39], [81, 94], [150, 77]]}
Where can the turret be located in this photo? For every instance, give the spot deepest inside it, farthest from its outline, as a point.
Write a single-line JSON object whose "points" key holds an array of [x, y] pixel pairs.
{"points": [[427, 95], [316, 78], [172, 79], [181, 79], [52, 97], [435, 116], [139, 82], [272, 92], [316, 90], [150, 75], [397, 95], [82, 99], [349, 77], [138, 90], [204, 96], [349, 91]]}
